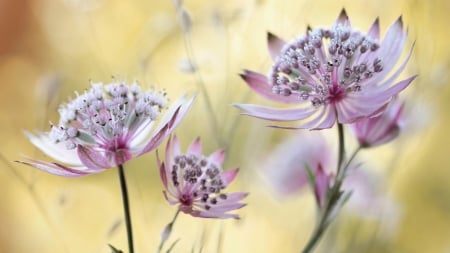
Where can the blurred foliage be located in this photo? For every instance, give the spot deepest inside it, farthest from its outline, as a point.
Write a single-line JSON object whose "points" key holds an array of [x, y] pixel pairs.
{"points": [[50, 48]]}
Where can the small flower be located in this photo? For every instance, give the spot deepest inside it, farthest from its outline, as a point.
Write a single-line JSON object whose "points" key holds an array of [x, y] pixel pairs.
{"points": [[287, 165], [333, 74], [380, 129], [195, 182], [321, 185], [104, 127]]}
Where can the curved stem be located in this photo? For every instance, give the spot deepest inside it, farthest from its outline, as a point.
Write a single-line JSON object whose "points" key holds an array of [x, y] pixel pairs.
{"points": [[126, 208], [167, 231]]}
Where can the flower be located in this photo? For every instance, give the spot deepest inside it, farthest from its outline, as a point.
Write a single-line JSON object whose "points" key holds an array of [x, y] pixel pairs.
{"points": [[286, 171], [104, 127], [333, 74], [321, 185], [381, 129], [286, 166], [195, 182]]}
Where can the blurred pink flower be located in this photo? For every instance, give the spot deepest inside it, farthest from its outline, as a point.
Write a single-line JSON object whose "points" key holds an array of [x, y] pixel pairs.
{"points": [[336, 74], [195, 182], [286, 168], [104, 127], [321, 185], [380, 129]]}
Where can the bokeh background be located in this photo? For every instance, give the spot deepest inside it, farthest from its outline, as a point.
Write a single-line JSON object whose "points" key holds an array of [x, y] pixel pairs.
{"points": [[50, 48]]}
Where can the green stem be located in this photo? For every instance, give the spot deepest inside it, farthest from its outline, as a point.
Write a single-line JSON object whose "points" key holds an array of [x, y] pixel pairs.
{"points": [[335, 194], [168, 230], [341, 151], [126, 208]]}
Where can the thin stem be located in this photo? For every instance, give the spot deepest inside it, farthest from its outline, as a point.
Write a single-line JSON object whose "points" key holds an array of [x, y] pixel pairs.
{"points": [[341, 151], [167, 231], [126, 208]]}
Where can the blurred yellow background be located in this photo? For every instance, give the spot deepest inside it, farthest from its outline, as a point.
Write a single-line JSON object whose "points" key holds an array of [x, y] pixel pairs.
{"points": [[50, 48]]}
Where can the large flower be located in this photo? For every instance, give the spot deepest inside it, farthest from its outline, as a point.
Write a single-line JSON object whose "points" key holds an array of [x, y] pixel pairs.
{"points": [[333, 74], [104, 127], [195, 182]]}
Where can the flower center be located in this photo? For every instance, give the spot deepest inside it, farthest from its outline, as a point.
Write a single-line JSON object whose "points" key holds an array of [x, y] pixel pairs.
{"points": [[198, 180], [325, 65]]}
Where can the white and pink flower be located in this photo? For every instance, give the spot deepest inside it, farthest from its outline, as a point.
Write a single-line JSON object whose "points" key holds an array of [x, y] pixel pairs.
{"points": [[106, 126], [336, 74]]}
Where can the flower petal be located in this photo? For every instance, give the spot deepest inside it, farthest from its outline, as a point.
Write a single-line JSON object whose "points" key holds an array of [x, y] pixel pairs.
{"points": [[59, 169], [374, 30], [162, 171], [343, 18], [275, 45], [229, 175], [259, 84], [275, 114], [93, 159], [56, 151], [155, 140], [195, 148], [217, 157]]}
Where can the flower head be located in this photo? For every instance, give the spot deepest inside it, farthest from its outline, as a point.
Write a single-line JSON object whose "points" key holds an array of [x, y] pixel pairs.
{"points": [[333, 74], [106, 126], [380, 129], [196, 182]]}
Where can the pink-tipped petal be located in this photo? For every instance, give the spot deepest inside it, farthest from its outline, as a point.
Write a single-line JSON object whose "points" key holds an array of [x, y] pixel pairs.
{"points": [[229, 175], [93, 159], [374, 30], [275, 45], [395, 89], [343, 17], [155, 140], [196, 147], [217, 157], [275, 114], [59, 169], [259, 84], [392, 44], [163, 174]]}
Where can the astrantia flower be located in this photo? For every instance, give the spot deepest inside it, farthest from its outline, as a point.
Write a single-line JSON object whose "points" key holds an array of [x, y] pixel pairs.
{"points": [[106, 126], [333, 74], [196, 182], [381, 129]]}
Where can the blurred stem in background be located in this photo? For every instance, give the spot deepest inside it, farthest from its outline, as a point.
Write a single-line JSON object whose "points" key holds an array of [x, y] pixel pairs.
{"points": [[166, 233]]}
